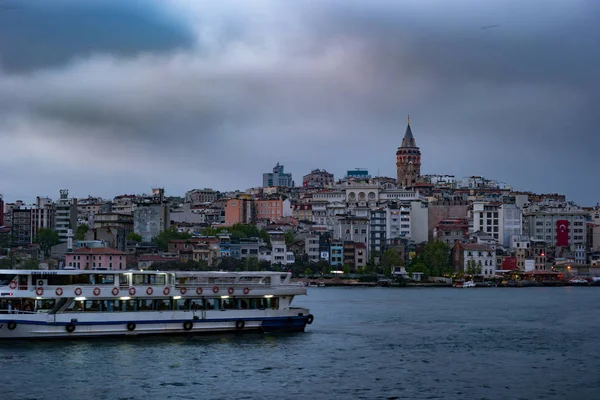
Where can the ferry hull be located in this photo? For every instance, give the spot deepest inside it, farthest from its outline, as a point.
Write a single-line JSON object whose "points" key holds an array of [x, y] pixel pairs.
{"points": [[18, 326]]}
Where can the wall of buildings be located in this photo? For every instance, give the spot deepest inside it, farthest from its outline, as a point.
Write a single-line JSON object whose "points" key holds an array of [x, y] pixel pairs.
{"points": [[419, 221]]}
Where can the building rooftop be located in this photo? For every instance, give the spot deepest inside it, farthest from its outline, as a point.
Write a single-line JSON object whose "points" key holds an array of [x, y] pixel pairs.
{"points": [[476, 247], [97, 251]]}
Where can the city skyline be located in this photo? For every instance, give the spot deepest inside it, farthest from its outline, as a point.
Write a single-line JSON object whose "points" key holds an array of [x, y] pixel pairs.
{"points": [[183, 96]]}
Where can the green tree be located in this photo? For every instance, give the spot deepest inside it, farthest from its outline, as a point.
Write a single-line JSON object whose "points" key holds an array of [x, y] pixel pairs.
{"points": [[162, 240], [391, 258], [230, 264], [473, 268], [5, 263], [418, 265], [5, 240], [210, 231], [46, 238], [251, 264], [289, 237], [31, 264], [134, 237], [479, 268], [346, 269], [436, 256], [81, 231]]}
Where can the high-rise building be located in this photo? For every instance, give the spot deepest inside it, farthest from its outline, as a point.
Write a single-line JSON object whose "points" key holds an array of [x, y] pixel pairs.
{"points": [[21, 227], [408, 160], [277, 178], [65, 217]]}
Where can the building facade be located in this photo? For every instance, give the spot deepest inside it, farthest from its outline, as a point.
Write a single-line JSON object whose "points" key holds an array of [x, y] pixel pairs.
{"points": [[452, 230], [66, 215], [21, 227], [272, 209], [239, 211], [562, 226], [150, 219], [311, 248], [336, 253], [201, 196], [482, 255], [96, 258], [318, 179]]}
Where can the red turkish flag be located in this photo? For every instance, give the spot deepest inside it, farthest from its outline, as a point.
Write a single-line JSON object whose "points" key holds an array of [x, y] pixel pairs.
{"points": [[562, 232]]}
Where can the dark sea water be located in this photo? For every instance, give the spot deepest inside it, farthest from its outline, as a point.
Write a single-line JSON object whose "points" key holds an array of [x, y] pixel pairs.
{"points": [[365, 343]]}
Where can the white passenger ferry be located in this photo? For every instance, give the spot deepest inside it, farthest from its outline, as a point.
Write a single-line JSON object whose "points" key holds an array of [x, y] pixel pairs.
{"points": [[73, 303]]}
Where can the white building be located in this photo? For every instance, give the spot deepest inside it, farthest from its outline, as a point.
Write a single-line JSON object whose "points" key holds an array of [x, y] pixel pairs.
{"points": [[486, 218], [357, 199], [512, 223], [311, 248], [279, 251], [65, 216], [419, 221], [352, 229], [481, 255]]}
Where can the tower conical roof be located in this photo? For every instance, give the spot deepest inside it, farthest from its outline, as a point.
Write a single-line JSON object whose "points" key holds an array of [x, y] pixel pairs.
{"points": [[408, 140]]}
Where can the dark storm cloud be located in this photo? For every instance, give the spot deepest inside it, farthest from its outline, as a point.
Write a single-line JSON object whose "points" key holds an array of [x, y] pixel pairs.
{"points": [[328, 85], [36, 34]]}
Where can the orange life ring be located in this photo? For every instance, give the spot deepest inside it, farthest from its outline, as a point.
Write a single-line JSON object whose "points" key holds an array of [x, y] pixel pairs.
{"points": [[199, 290], [166, 291], [149, 291], [115, 291], [230, 290], [246, 290], [215, 289], [183, 290], [39, 291], [58, 291], [77, 291], [12, 285], [96, 291], [131, 291]]}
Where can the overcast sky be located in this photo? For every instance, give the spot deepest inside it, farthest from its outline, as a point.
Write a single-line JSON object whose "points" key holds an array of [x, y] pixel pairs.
{"points": [[111, 97]]}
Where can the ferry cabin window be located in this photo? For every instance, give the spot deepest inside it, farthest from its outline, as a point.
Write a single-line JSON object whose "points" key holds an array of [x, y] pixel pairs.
{"points": [[163, 305], [75, 306], [5, 279], [228, 304], [188, 304], [149, 279], [80, 279], [104, 279], [17, 306], [145, 305], [123, 280], [44, 305]]}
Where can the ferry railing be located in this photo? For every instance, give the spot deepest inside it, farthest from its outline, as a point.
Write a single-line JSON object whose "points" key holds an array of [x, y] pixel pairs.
{"points": [[249, 284], [13, 311]]}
